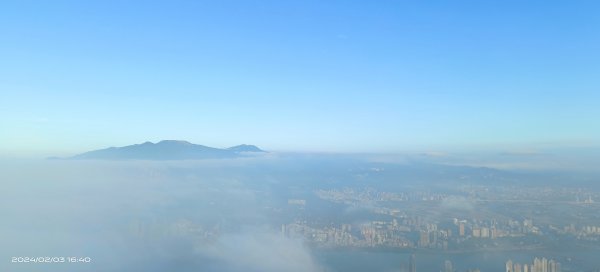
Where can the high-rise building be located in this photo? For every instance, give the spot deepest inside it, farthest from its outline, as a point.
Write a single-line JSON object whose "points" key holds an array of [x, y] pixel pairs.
{"points": [[553, 266], [448, 266], [485, 232], [539, 265], [461, 229], [518, 268], [412, 263], [424, 239], [509, 266], [476, 232]]}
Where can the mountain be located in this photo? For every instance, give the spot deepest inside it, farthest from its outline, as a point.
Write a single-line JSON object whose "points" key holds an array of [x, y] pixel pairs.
{"points": [[167, 150], [245, 148]]}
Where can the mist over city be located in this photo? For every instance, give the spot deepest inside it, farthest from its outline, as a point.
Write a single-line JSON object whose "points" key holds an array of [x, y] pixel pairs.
{"points": [[296, 212]]}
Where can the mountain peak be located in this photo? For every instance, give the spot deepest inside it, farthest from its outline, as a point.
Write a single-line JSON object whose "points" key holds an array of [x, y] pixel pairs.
{"points": [[245, 148], [180, 142]]}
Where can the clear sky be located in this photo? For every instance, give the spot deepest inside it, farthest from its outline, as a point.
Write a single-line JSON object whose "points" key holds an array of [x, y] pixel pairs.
{"points": [[349, 76]]}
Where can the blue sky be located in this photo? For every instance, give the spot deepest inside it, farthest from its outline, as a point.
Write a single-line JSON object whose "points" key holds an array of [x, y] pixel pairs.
{"points": [[334, 76]]}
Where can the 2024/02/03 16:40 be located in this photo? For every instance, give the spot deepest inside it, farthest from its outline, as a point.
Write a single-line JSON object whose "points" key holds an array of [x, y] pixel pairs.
{"points": [[69, 259]]}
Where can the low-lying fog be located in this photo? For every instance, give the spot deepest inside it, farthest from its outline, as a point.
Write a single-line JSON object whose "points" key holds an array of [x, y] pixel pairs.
{"points": [[169, 215], [140, 216]]}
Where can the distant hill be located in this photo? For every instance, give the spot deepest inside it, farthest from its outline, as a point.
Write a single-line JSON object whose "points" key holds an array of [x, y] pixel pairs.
{"points": [[245, 148], [167, 150]]}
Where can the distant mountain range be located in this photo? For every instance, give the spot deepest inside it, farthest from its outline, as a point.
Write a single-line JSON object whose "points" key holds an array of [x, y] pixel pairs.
{"points": [[168, 150]]}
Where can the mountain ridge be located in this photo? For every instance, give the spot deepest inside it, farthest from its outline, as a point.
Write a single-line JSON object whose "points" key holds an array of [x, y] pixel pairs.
{"points": [[168, 150]]}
